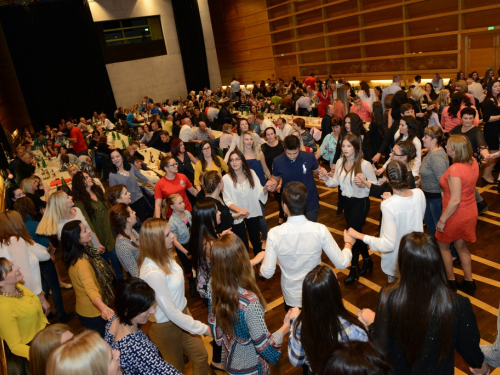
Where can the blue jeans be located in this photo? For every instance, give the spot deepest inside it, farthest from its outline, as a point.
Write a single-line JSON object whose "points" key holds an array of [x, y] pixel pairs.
{"points": [[433, 210], [115, 263], [50, 282]]}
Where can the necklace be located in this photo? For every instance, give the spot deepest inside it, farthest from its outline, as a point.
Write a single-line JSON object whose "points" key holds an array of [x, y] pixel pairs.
{"points": [[18, 294]]}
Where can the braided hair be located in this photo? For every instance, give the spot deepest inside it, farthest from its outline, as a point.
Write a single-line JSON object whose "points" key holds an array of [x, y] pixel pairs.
{"points": [[398, 174]]}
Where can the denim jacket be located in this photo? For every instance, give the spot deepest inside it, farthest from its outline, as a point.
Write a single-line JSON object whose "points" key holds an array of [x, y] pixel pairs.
{"points": [[179, 227]]}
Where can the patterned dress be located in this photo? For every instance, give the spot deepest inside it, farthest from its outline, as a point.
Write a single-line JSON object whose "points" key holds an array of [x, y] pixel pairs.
{"points": [[138, 355], [251, 346]]}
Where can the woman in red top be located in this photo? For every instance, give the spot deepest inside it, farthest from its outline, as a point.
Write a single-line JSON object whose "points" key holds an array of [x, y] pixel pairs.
{"points": [[458, 219], [323, 97], [172, 183]]}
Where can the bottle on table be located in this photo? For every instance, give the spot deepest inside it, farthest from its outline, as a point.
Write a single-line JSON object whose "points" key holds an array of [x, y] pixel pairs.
{"points": [[151, 158]]}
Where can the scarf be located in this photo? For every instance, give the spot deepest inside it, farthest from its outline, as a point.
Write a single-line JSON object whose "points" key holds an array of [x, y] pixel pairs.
{"points": [[103, 273]]}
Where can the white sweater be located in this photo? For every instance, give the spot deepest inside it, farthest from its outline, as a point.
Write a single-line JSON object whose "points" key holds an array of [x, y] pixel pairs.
{"points": [[400, 216]]}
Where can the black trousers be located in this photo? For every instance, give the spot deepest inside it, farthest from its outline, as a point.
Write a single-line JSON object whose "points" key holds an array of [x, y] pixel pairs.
{"points": [[253, 226], [355, 211], [50, 282], [186, 262], [277, 196]]}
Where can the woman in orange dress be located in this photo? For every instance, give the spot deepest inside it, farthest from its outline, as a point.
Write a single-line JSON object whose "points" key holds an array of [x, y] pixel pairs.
{"points": [[323, 99], [458, 220]]}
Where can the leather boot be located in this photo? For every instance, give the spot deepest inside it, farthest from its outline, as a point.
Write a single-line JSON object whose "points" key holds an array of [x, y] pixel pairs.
{"points": [[367, 266], [453, 285], [468, 287], [353, 276]]}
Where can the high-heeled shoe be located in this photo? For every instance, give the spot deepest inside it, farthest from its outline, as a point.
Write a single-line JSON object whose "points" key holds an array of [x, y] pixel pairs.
{"points": [[367, 266], [353, 276], [468, 287]]}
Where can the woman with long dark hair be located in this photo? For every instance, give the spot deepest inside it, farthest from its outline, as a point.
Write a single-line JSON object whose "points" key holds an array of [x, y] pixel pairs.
{"points": [[489, 76], [123, 219], [354, 125], [184, 159], [90, 275], [209, 161], [213, 186], [420, 323], [366, 94], [408, 130], [92, 202], [123, 173], [354, 198], [247, 344], [450, 117], [322, 306], [243, 193], [429, 93]]}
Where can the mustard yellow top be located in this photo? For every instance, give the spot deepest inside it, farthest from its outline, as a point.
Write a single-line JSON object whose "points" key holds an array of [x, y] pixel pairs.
{"points": [[20, 320], [198, 172], [86, 287], [167, 125]]}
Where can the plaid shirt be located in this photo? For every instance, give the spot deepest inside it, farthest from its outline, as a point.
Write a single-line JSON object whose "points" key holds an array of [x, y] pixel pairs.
{"points": [[296, 354]]}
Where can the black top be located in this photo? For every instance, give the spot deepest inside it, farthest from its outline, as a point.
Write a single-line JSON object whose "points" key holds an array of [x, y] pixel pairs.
{"points": [[226, 219], [104, 148], [225, 116], [155, 141], [202, 117], [272, 152], [92, 144], [39, 204], [326, 127], [417, 107], [186, 167], [13, 164], [23, 171], [166, 146], [465, 339], [476, 138]]}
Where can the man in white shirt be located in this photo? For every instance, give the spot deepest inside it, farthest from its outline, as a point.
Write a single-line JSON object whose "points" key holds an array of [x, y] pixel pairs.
{"points": [[235, 87], [393, 88], [298, 245], [418, 80], [264, 123], [245, 90], [213, 112], [303, 102], [82, 124], [207, 91], [283, 129], [310, 92], [476, 89], [186, 131]]}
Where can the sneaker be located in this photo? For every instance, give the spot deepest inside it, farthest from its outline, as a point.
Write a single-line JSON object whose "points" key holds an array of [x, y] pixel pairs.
{"points": [[482, 207]]}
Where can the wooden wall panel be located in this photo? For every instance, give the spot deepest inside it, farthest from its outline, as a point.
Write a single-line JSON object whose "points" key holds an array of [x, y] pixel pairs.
{"points": [[361, 39]]}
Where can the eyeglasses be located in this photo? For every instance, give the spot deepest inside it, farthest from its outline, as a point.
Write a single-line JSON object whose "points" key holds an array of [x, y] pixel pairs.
{"points": [[394, 154], [206, 148], [173, 165], [233, 160]]}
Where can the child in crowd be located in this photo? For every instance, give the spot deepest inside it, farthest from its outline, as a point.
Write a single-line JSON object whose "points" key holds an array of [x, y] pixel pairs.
{"points": [[226, 137]]}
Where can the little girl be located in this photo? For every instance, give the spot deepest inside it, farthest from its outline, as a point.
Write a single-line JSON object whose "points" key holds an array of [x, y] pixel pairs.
{"points": [[180, 224]]}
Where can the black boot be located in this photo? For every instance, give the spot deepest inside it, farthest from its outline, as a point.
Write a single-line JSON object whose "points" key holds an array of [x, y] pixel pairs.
{"points": [[367, 266], [65, 318], [192, 287], [353, 276], [453, 285], [339, 210], [468, 287]]}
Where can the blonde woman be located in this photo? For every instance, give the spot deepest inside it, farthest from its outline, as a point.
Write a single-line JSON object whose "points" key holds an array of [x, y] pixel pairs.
{"points": [[175, 330], [85, 354], [44, 343], [257, 162], [30, 186], [60, 210]]}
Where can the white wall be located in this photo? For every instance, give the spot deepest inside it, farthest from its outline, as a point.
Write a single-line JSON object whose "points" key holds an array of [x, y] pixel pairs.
{"points": [[213, 62], [158, 77]]}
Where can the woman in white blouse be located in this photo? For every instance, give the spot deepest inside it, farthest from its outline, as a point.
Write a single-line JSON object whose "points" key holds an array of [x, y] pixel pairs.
{"points": [[243, 193], [366, 94], [175, 330], [355, 199], [402, 213], [17, 246], [408, 129]]}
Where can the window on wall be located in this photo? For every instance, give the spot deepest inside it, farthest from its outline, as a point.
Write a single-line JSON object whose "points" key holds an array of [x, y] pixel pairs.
{"points": [[131, 39]]}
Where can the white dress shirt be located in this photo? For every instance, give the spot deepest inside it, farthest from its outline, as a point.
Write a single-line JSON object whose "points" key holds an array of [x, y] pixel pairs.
{"points": [[212, 113], [349, 188], [282, 133], [298, 245], [243, 196], [400, 216], [186, 133], [170, 296]]}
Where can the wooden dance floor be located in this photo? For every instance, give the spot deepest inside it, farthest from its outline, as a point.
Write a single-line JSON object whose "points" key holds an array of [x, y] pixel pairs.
{"points": [[364, 293]]}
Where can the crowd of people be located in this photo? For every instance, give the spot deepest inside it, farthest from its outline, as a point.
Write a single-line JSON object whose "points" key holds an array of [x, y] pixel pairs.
{"points": [[208, 203]]}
